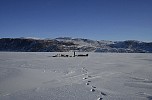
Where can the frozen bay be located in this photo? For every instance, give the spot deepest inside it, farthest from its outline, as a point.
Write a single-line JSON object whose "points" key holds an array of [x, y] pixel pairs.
{"points": [[110, 76]]}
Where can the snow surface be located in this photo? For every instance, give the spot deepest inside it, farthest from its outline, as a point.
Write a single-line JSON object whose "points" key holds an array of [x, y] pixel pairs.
{"points": [[100, 76]]}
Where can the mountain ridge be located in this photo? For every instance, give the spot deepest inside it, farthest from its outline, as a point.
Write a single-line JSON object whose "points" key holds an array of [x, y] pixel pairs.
{"points": [[67, 44]]}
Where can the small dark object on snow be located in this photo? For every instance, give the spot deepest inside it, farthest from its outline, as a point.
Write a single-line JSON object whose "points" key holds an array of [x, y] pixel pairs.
{"points": [[81, 55]]}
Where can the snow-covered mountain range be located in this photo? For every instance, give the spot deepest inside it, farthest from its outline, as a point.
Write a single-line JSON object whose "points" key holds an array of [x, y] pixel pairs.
{"points": [[66, 44]]}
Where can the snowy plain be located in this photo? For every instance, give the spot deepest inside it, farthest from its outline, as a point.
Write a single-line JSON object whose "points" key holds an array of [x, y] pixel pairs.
{"points": [[100, 76]]}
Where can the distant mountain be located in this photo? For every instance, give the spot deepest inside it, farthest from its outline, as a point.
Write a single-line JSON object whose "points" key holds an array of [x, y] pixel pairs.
{"points": [[33, 45], [66, 44]]}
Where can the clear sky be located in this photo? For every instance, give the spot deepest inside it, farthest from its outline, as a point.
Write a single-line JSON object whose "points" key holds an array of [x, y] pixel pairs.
{"points": [[93, 19]]}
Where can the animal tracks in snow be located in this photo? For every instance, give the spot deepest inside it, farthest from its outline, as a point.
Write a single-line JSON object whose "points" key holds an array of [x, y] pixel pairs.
{"points": [[88, 83]]}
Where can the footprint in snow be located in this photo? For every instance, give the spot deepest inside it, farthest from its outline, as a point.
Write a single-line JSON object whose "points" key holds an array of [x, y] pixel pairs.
{"points": [[83, 68], [93, 87], [92, 90], [103, 93], [84, 78], [100, 98]]}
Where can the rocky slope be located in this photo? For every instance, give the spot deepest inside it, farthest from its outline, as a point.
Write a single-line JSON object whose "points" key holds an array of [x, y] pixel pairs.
{"points": [[66, 44]]}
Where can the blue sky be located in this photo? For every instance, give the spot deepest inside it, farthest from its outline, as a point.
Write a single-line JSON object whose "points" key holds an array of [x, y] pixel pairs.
{"points": [[93, 19]]}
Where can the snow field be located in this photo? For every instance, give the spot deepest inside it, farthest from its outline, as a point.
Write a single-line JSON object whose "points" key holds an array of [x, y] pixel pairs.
{"points": [[100, 76]]}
